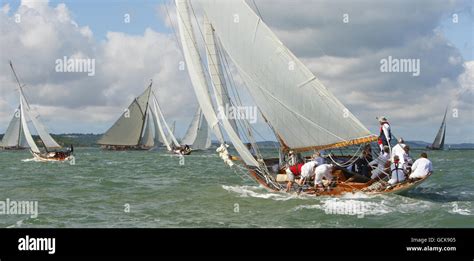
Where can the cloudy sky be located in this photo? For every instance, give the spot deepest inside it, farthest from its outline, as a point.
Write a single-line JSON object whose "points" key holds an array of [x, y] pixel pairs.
{"points": [[341, 42]]}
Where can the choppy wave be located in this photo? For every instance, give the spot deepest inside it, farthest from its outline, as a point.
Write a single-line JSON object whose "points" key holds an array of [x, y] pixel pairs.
{"points": [[259, 192]]}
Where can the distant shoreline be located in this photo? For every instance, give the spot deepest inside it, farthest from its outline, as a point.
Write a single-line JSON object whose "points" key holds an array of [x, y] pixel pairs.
{"points": [[90, 140]]}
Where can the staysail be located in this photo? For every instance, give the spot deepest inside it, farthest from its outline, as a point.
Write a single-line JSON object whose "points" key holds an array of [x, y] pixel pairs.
{"points": [[311, 117], [127, 130], [220, 92], [215, 71], [195, 68], [438, 142]]}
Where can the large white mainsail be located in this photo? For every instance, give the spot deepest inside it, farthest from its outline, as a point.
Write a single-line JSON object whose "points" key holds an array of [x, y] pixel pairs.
{"points": [[128, 129], [195, 68], [159, 118], [310, 117]]}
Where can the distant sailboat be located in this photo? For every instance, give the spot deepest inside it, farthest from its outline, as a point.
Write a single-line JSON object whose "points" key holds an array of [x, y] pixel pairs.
{"points": [[18, 134], [198, 135], [141, 127], [438, 143], [14, 139], [302, 113]]}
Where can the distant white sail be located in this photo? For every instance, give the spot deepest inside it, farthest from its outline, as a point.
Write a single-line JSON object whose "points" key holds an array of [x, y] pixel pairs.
{"points": [[195, 68], [12, 137], [191, 133], [438, 142], [198, 135], [158, 126], [128, 129], [165, 125], [304, 114]]}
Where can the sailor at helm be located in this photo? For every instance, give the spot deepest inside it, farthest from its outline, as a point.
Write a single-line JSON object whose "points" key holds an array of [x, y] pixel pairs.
{"points": [[385, 133]]}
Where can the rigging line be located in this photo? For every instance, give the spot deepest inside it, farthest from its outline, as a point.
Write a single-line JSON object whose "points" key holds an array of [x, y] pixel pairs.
{"points": [[205, 72], [244, 124], [258, 11], [235, 91], [173, 29]]}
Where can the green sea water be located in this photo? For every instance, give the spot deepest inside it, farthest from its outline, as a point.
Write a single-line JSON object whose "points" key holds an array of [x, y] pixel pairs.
{"points": [[155, 189]]}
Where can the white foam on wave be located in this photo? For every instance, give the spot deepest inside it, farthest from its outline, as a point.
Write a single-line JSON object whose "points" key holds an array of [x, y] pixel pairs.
{"points": [[351, 207], [32, 159], [258, 192], [460, 208]]}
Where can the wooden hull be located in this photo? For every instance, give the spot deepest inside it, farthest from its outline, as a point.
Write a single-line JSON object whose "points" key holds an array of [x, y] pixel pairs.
{"points": [[48, 157], [340, 187]]}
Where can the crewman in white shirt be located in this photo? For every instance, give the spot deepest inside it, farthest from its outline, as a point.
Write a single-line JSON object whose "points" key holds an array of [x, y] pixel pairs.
{"points": [[398, 175], [323, 171], [422, 167]]}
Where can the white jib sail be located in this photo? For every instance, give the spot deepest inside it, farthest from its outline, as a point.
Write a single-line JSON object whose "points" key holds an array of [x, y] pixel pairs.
{"points": [[158, 124], [24, 125], [195, 67], [219, 86]]}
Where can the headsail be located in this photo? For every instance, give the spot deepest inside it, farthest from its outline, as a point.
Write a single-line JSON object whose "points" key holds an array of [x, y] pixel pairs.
{"points": [[195, 67], [127, 130], [311, 117], [215, 69], [48, 141], [158, 127], [438, 142], [220, 91], [24, 125]]}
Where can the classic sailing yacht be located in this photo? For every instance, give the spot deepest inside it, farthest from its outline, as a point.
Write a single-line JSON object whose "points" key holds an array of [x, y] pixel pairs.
{"points": [[198, 135], [18, 134], [438, 143], [303, 114], [141, 127]]}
